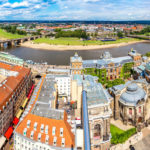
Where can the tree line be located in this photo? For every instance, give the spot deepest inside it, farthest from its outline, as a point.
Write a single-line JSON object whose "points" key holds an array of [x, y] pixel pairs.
{"points": [[13, 30], [76, 33]]}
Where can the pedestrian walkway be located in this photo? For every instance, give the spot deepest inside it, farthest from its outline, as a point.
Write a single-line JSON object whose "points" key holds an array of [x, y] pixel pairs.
{"points": [[119, 124], [144, 144]]}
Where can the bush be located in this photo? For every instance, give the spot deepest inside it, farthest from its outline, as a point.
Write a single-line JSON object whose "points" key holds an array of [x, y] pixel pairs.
{"points": [[122, 137], [115, 82]]}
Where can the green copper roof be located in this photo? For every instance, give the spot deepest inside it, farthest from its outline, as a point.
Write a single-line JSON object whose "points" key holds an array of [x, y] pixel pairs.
{"points": [[11, 57]]}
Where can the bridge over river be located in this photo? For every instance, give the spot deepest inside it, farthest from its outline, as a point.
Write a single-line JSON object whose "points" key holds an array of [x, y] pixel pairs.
{"points": [[14, 42]]}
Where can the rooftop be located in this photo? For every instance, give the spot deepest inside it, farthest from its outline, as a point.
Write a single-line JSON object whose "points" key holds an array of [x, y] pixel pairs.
{"points": [[11, 57], [10, 83], [76, 58], [103, 63], [42, 123], [96, 94]]}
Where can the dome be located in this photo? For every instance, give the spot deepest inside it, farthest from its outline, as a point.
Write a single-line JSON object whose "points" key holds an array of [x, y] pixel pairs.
{"points": [[132, 87], [147, 67], [132, 95]]}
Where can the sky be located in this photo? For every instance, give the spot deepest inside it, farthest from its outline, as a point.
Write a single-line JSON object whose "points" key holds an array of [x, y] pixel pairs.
{"points": [[103, 10]]}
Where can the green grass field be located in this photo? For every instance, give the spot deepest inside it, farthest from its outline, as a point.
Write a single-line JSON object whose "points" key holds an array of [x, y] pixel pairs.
{"points": [[6, 35], [115, 130], [76, 41], [119, 135]]}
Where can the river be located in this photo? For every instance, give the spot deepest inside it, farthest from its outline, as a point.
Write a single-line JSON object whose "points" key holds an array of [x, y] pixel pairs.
{"points": [[63, 57]]}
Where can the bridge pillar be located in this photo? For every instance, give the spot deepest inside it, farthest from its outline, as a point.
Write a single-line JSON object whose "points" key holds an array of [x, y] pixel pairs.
{"points": [[2, 45], [12, 43], [21, 40]]}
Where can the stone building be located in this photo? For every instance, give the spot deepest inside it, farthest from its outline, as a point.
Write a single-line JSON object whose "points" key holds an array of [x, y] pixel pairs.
{"points": [[107, 67], [16, 82], [42, 127], [76, 64], [137, 58], [130, 102], [99, 112]]}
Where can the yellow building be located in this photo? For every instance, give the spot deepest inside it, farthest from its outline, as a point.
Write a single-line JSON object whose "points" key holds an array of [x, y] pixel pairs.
{"points": [[76, 64]]}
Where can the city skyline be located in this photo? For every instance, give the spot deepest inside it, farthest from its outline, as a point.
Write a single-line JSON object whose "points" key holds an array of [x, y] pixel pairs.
{"points": [[74, 10]]}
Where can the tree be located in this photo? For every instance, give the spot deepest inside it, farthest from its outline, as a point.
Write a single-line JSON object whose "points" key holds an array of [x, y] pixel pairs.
{"points": [[120, 34]]}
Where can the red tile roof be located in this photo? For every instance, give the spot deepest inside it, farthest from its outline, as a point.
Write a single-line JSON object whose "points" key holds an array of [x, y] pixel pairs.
{"points": [[67, 134], [11, 83]]}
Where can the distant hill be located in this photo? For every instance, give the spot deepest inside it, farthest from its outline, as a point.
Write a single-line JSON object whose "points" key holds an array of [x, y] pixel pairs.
{"points": [[77, 21]]}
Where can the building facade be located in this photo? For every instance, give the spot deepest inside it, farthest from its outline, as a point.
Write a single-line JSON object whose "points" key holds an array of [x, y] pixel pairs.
{"points": [[14, 88], [42, 126], [64, 86], [130, 102], [99, 113], [107, 67], [11, 59], [76, 64]]}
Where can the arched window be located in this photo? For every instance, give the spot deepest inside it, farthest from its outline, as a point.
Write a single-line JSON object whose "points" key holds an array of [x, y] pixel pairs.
{"points": [[140, 109], [97, 131], [130, 111]]}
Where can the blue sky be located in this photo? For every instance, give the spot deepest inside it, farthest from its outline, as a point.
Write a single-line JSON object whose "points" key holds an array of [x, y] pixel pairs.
{"points": [[74, 9]]}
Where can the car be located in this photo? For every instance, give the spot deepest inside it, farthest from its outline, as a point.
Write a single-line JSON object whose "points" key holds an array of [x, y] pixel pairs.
{"points": [[131, 147]]}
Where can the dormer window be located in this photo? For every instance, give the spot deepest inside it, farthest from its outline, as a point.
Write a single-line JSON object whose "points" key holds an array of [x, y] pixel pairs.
{"points": [[53, 130], [25, 131], [32, 134], [61, 132], [63, 142], [47, 139], [39, 137], [35, 126], [42, 128], [46, 129], [28, 123], [54, 141]]}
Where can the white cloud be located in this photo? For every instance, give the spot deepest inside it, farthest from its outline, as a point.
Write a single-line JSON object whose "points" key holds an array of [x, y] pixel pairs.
{"points": [[76, 9]]}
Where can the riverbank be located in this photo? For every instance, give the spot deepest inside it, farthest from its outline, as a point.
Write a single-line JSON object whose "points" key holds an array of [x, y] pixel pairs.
{"points": [[5, 35], [43, 46]]}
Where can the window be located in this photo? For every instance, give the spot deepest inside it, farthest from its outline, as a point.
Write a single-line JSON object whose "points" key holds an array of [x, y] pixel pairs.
{"points": [[28, 123], [130, 111], [53, 130], [32, 134], [39, 137], [140, 109], [46, 139], [42, 128], [61, 132], [25, 132], [35, 126], [46, 129], [55, 141], [63, 142]]}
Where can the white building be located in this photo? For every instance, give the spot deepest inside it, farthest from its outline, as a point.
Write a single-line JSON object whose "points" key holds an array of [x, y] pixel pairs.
{"points": [[63, 85]]}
